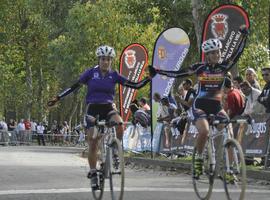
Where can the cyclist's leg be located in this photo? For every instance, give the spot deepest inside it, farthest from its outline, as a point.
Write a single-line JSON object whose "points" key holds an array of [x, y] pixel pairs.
{"points": [[114, 116], [92, 140], [201, 123], [93, 147], [221, 115]]}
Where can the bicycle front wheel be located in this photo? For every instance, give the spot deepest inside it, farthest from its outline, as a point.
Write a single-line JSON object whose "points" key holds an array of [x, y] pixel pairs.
{"points": [[203, 184], [234, 170], [116, 166], [98, 193]]}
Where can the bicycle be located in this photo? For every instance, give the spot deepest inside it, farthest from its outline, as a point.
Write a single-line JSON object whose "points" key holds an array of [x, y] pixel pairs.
{"points": [[227, 163], [111, 160]]}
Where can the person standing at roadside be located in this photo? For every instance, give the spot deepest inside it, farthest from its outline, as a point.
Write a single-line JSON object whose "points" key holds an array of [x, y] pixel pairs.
{"points": [[21, 130], [40, 134], [27, 132], [251, 77], [12, 129], [264, 97]]}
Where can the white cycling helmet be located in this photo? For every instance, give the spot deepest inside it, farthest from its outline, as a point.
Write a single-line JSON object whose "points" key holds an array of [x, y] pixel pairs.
{"points": [[105, 51], [211, 45]]}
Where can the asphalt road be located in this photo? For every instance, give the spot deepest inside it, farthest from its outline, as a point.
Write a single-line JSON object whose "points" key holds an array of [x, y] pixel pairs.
{"points": [[39, 173]]}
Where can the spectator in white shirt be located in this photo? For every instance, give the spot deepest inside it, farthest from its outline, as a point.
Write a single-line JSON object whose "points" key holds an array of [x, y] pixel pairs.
{"points": [[40, 132], [3, 132], [166, 115], [21, 131], [252, 104]]}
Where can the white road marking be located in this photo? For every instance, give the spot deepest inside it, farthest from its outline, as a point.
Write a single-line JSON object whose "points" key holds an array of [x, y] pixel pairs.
{"points": [[128, 189]]}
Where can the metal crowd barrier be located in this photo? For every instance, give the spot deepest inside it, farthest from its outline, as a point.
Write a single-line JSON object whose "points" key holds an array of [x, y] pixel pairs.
{"points": [[32, 138]]}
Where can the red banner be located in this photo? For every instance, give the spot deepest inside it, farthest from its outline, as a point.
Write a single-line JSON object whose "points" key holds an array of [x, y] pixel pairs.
{"points": [[133, 61], [223, 23]]}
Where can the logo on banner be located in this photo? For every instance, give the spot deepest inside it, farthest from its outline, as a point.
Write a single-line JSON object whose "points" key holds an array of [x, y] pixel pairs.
{"points": [[161, 52], [219, 26], [258, 129], [130, 58]]}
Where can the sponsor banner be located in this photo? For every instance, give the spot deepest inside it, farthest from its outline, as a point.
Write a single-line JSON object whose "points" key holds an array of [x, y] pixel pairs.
{"points": [[137, 139], [157, 137], [255, 137], [189, 141], [223, 23], [170, 50], [174, 145], [133, 61]]}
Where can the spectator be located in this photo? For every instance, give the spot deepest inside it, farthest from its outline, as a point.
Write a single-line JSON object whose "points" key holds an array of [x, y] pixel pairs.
{"points": [[66, 133], [144, 105], [40, 133], [54, 132], [190, 94], [180, 95], [33, 129], [235, 103], [264, 97], [237, 82], [166, 115], [12, 125], [4, 138], [79, 130], [186, 102], [12, 129], [27, 133], [251, 77], [21, 130], [252, 94]]}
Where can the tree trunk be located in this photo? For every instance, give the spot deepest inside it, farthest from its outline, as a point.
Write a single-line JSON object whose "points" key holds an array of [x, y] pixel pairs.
{"points": [[29, 83], [196, 5], [41, 114], [73, 109]]}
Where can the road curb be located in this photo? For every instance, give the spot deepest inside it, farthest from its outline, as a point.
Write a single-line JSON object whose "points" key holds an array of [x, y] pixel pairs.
{"points": [[172, 165]]}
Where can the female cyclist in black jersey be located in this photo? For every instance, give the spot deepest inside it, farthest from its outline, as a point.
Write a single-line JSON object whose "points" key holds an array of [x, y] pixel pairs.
{"points": [[211, 75]]}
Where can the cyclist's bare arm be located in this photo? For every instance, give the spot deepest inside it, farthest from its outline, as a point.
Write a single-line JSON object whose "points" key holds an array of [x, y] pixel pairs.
{"points": [[66, 92]]}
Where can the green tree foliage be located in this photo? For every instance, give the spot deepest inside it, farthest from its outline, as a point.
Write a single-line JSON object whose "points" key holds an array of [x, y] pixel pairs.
{"points": [[46, 44]]}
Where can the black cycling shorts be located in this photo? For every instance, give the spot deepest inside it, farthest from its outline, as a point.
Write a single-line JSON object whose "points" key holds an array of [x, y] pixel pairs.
{"points": [[102, 111], [202, 108]]}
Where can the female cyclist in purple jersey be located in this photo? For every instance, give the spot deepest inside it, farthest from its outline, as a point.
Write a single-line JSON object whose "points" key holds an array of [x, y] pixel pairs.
{"points": [[100, 81], [211, 75]]}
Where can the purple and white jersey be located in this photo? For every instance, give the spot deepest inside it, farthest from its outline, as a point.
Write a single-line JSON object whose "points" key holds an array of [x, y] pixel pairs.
{"points": [[101, 89]]}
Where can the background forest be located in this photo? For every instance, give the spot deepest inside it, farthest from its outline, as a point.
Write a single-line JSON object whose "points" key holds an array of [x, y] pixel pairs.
{"points": [[46, 44]]}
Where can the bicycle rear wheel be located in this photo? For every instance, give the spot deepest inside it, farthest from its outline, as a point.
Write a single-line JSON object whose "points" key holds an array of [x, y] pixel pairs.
{"points": [[203, 184], [116, 170], [234, 170]]}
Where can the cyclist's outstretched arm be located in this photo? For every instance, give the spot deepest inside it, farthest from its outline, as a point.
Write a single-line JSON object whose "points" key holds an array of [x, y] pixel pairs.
{"points": [[140, 84], [180, 73], [66, 92], [137, 85], [229, 63]]}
